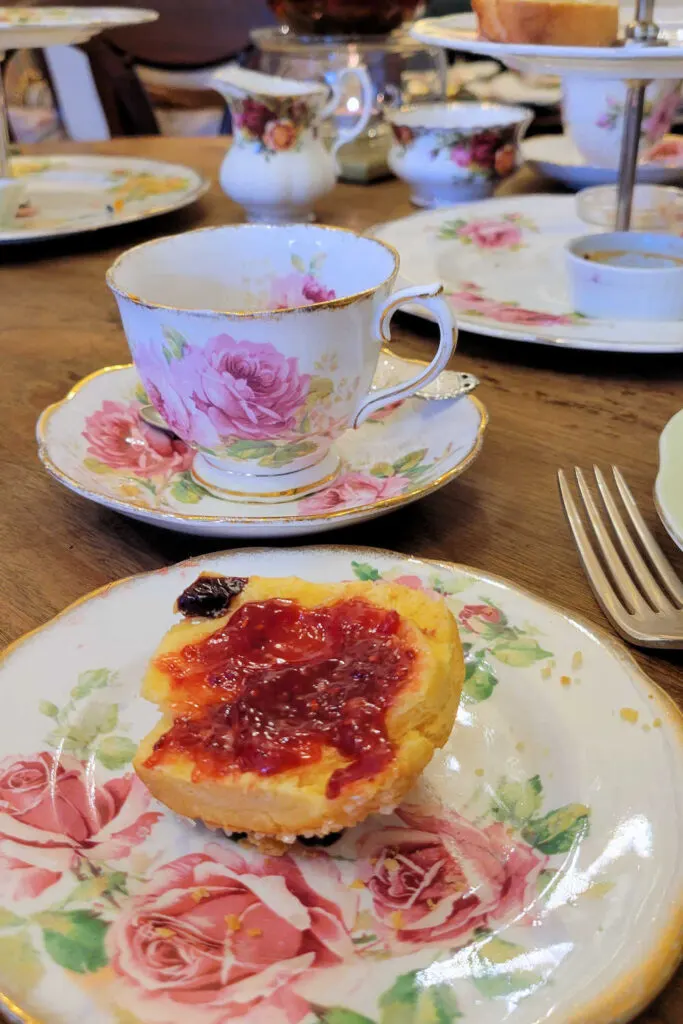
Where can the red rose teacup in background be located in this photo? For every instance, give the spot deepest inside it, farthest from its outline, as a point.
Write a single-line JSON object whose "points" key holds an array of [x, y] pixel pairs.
{"points": [[258, 345], [277, 165], [455, 152]]}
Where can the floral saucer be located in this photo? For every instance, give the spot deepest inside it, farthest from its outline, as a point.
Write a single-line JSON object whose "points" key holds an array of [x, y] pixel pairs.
{"points": [[535, 872], [556, 157], [669, 483], [502, 265], [70, 194], [95, 442]]}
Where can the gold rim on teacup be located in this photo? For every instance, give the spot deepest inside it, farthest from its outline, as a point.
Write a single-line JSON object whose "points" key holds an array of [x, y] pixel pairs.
{"points": [[261, 314]]}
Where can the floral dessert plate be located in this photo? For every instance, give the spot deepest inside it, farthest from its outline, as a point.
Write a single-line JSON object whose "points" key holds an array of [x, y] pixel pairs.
{"points": [[502, 265], [669, 483], [95, 443], [556, 157], [31, 26], [70, 194], [535, 872]]}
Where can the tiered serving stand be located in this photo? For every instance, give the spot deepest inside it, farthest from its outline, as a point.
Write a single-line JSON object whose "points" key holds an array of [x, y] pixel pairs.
{"points": [[502, 260], [644, 55]]}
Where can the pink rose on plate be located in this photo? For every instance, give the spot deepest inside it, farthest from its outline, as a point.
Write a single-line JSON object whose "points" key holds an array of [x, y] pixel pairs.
{"points": [[51, 812], [668, 151], [352, 490], [118, 437], [471, 301], [414, 582], [511, 314], [492, 234], [298, 290], [483, 619], [216, 938], [238, 389], [437, 879]]}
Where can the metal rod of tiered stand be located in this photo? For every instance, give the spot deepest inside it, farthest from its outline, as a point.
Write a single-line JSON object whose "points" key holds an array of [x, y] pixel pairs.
{"points": [[5, 171], [644, 31]]}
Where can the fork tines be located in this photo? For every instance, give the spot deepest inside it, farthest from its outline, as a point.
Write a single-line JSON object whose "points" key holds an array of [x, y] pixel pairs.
{"points": [[631, 577]]}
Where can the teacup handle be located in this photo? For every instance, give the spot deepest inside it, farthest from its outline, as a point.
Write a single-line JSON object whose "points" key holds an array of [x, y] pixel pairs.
{"points": [[367, 92], [429, 296]]}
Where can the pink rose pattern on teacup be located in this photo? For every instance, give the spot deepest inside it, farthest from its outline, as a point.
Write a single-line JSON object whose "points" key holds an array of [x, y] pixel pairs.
{"points": [[488, 153], [661, 115], [471, 302], [298, 289], [657, 119], [436, 880], [217, 938], [226, 390], [52, 813], [354, 490], [274, 126], [119, 439]]}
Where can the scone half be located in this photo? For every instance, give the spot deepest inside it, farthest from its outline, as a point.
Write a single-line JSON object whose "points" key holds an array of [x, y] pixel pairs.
{"points": [[298, 800]]}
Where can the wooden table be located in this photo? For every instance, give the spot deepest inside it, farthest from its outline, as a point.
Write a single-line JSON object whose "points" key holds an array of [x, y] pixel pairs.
{"points": [[549, 408]]}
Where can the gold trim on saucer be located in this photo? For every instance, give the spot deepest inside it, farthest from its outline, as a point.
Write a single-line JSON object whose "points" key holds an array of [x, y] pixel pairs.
{"points": [[154, 515], [633, 990], [255, 314], [293, 492]]}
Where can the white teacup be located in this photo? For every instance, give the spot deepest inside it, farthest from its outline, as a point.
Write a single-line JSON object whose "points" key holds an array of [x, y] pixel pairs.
{"points": [[593, 113], [455, 152], [258, 343]]}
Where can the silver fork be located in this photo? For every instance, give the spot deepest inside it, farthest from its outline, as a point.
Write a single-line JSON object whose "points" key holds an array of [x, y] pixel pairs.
{"points": [[644, 601]]}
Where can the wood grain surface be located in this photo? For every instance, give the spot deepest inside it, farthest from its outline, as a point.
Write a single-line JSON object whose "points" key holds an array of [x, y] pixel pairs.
{"points": [[548, 408]]}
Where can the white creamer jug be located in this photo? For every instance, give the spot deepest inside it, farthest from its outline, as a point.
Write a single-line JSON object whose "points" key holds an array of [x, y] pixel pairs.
{"points": [[278, 165]]}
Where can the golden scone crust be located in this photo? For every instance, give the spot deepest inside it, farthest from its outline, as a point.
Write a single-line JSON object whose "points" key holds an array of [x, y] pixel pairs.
{"points": [[549, 22], [294, 802]]}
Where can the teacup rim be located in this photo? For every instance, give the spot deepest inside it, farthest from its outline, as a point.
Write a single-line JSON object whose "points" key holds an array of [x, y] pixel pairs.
{"points": [[511, 115], [257, 314]]}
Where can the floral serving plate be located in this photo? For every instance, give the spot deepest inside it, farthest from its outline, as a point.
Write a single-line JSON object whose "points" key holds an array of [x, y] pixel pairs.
{"points": [[502, 265], [556, 157], [669, 483], [95, 443], [30, 26], [535, 872], [70, 194]]}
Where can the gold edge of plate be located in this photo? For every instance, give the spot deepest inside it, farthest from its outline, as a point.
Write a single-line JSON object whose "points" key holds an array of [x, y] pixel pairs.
{"points": [[629, 994], [157, 514]]}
